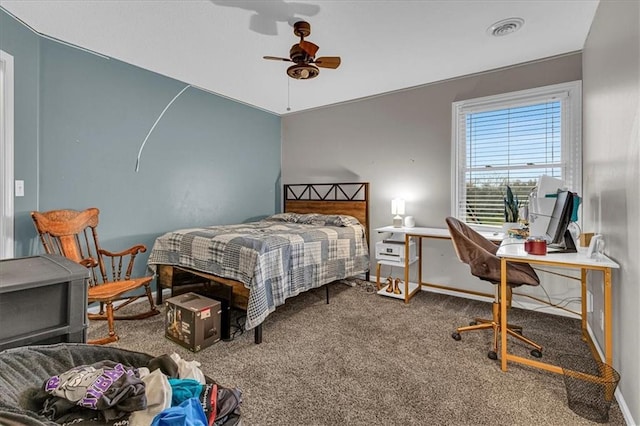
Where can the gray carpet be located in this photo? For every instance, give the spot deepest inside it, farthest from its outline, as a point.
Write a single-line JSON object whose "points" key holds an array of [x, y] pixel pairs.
{"points": [[364, 359]]}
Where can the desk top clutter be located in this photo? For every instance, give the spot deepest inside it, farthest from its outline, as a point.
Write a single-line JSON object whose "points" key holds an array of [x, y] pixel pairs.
{"points": [[85, 384], [514, 248]]}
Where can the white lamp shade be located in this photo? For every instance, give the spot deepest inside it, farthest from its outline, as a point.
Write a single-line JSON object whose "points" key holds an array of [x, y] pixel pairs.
{"points": [[397, 206]]}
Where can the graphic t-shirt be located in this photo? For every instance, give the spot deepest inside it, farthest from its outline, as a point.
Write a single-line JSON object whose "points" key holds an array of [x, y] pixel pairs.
{"points": [[106, 386]]}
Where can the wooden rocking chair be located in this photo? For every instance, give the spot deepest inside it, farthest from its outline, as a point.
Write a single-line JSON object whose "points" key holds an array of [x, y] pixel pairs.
{"points": [[73, 234]]}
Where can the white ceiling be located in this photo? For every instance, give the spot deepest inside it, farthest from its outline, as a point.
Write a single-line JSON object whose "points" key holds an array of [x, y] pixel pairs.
{"points": [[385, 45]]}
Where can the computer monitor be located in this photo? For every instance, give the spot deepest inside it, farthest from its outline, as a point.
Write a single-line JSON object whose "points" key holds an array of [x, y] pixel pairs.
{"points": [[558, 235]]}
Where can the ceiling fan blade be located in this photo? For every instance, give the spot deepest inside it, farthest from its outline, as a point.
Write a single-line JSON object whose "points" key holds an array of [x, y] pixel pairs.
{"points": [[276, 58], [308, 47], [328, 62]]}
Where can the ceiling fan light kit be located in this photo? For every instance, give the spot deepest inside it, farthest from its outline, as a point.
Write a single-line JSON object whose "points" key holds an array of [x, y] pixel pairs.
{"points": [[302, 71], [303, 55]]}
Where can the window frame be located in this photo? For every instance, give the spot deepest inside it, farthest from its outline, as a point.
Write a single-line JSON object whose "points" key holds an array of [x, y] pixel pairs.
{"points": [[569, 93]]}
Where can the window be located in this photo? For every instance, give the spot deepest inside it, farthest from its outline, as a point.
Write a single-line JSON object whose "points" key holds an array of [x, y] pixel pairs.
{"points": [[513, 139]]}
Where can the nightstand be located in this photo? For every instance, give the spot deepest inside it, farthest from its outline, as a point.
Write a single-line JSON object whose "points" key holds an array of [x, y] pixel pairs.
{"points": [[392, 252]]}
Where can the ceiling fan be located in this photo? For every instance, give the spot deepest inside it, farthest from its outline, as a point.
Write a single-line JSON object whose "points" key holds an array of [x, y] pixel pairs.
{"points": [[303, 55]]}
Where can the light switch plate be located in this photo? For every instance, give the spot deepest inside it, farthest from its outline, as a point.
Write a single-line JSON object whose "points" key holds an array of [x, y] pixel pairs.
{"points": [[19, 189]]}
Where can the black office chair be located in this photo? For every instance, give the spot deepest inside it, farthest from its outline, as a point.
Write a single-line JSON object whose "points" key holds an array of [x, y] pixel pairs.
{"points": [[480, 254]]}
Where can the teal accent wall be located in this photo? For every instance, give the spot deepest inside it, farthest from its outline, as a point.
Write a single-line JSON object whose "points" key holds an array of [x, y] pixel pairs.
{"points": [[209, 160]]}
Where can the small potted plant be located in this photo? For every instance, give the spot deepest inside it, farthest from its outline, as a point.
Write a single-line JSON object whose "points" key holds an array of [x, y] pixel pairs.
{"points": [[511, 206]]}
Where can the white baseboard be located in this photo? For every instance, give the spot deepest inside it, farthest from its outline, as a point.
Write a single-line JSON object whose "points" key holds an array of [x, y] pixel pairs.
{"points": [[457, 294], [624, 408], [517, 303], [531, 306]]}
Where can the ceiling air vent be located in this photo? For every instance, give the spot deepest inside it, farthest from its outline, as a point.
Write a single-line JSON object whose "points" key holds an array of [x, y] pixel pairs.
{"points": [[505, 27]]}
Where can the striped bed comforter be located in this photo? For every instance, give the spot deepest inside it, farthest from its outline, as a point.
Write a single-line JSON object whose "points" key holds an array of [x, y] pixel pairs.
{"points": [[275, 258]]}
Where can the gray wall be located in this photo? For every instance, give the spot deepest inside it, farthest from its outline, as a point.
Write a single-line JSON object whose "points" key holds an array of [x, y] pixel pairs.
{"points": [[401, 144], [209, 160], [611, 94]]}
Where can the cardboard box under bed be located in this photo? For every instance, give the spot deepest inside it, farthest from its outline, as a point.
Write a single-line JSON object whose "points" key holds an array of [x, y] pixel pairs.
{"points": [[193, 321]]}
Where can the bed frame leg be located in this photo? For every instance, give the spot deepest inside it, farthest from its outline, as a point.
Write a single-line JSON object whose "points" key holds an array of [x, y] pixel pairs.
{"points": [[326, 286], [257, 334], [158, 294]]}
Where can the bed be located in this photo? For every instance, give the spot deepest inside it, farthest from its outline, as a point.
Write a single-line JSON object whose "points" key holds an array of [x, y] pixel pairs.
{"points": [[320, 237]]}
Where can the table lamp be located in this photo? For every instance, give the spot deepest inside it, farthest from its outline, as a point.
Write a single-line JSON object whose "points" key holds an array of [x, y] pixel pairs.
{"points": [[397, 209]]}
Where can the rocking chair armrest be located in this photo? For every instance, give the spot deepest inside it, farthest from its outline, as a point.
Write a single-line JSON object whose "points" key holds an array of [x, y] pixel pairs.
{"points": [[139, 248], [89, 262]]}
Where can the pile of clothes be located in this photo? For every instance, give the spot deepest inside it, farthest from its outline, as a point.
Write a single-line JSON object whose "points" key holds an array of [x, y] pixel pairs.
{"points": [[168, 391]]}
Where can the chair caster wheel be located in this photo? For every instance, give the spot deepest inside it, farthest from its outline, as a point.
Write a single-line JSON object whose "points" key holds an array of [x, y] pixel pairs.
{"points": [[492, 355], [536, 353], [456, 336], [473, 323]]}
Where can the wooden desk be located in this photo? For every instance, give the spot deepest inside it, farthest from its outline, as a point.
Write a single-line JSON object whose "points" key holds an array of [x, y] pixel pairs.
{"points": [[512, 250], [418, 234]]}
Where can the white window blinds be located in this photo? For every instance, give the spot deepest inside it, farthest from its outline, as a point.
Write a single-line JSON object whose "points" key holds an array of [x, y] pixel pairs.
{"points": [[513, 139]]}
